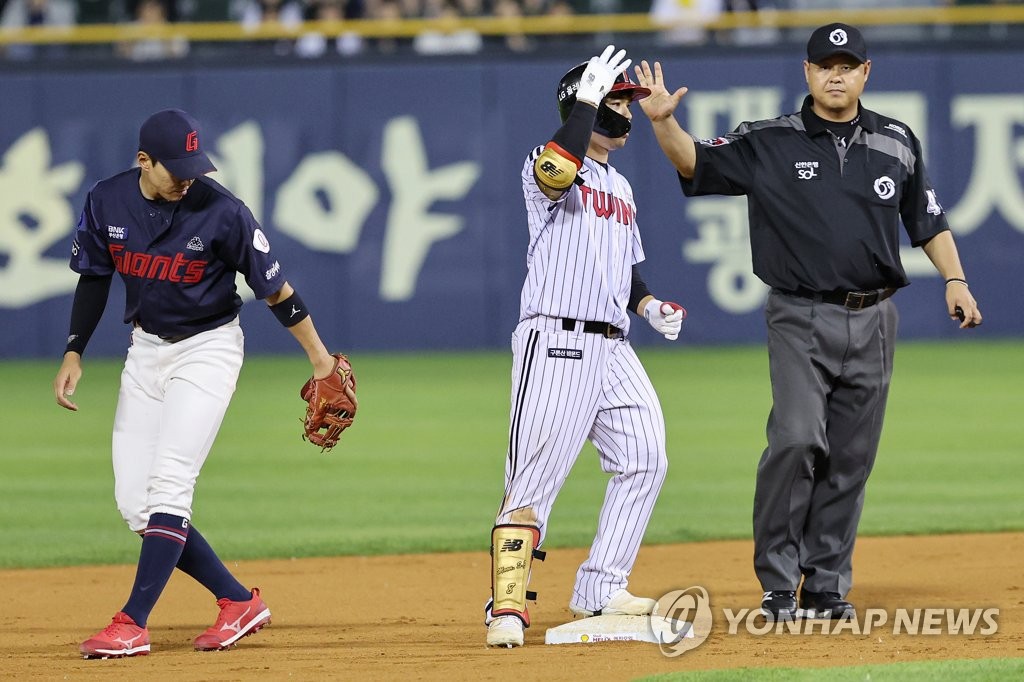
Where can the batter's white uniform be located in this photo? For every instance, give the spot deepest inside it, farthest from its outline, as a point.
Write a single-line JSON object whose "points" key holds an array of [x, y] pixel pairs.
{"points": [[571, 386]]}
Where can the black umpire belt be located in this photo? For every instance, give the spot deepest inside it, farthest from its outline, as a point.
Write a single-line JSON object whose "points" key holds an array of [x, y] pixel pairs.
{"points": [[609, 331], [851, 300]]}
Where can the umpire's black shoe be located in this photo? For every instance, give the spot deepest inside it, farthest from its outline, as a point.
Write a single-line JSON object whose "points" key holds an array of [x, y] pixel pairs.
{"points": [[824, 605], [779, 605]]}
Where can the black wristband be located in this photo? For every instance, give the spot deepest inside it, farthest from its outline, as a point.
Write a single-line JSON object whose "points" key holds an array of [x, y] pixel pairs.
{"points": [[290, 311]]}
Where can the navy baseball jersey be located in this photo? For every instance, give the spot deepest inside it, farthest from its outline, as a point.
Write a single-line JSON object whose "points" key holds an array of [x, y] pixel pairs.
{"points": [[178, 259]]}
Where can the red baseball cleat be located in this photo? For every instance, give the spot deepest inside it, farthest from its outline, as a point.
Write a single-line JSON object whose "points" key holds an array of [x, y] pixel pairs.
{"points": [[119, 639], [236, 620]]}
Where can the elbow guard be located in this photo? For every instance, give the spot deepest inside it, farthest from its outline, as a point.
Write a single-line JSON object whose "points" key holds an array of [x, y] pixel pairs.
{"points": [[556, 168]]}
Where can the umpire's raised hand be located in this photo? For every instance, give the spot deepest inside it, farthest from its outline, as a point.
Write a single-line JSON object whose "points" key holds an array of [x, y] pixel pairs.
{"points": [[661, 103]]}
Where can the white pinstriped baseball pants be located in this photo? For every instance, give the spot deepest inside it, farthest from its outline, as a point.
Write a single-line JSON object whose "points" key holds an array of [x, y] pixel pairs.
{"points": [[567, 388], [172, 401]]}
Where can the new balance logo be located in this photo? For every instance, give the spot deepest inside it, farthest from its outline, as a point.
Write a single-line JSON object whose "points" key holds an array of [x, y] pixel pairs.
{"points": [[551, 170], [511, 545], [196, 244]]}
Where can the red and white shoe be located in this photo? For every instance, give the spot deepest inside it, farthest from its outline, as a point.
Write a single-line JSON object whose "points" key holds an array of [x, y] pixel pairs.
{"points": [[119, 639], [236, 620]]}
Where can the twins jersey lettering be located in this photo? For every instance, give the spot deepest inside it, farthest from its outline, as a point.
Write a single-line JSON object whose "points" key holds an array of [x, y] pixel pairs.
{"points": [[582, 247]]}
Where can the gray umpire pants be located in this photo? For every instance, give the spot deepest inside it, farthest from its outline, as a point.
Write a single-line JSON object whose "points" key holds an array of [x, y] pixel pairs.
{"points": [[830, 370]]}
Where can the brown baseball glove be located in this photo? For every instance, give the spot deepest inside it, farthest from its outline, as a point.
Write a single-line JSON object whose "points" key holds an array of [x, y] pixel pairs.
{"points": [[330, 404]]}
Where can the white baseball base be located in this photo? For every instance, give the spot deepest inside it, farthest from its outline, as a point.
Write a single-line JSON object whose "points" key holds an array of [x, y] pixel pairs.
{"points": [[652, 629]]}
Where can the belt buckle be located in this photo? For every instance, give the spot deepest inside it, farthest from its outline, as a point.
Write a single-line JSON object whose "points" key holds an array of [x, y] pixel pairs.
{"points": [[610, 331], [858, 300]]}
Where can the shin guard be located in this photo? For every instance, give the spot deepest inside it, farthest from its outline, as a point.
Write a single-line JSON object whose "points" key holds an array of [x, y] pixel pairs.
{"points": [[513, 549]]}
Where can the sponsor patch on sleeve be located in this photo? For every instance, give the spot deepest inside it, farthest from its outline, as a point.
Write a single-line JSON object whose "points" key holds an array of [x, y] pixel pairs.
{"points": [[899, 129], [714, 141], [259, 241]]}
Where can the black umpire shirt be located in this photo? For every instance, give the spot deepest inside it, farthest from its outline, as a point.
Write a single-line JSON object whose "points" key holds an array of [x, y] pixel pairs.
{"points": [[824, 213]]}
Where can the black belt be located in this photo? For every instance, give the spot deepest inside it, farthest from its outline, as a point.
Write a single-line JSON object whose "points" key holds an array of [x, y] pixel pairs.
{"points": [[176, 339], [851, 300], [609, 331], [169, 339]]}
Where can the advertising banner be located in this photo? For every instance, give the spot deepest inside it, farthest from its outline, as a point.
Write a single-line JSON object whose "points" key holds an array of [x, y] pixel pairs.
{"points": [[391, 194]]}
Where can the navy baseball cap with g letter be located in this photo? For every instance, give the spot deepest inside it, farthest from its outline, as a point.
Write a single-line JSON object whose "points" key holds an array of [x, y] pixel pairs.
{"points": [[171, 137], [833, 39]]}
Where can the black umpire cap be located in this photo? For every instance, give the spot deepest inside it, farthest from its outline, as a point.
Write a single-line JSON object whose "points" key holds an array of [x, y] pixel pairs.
{"points": [[833, 39], [171, 137]]}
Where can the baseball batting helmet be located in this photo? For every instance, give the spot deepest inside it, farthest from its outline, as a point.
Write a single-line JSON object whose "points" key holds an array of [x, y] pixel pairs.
{"points": [[608, 122]]}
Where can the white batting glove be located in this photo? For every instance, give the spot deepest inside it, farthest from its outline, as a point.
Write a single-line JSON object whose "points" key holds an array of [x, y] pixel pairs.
{"points": [[600, 75], [666, 317]]}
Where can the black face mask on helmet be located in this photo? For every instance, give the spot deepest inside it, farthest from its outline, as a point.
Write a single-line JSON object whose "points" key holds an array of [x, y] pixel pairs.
{"points": [[608, 123]]}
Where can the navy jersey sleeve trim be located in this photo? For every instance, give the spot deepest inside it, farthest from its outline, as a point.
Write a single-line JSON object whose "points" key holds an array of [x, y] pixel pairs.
{"points": [[89, 252]]}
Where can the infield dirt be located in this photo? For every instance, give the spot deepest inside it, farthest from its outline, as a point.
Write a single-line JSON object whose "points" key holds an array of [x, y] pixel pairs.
{"points": [[419, 617]]}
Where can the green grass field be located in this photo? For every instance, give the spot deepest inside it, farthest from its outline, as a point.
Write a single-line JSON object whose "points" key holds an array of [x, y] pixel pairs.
{"points": [[985, 670], [422, 469]]}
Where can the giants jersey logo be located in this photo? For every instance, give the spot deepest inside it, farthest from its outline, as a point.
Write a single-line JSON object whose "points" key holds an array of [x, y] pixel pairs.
{"points": [[608, 206], [147, 266]]}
